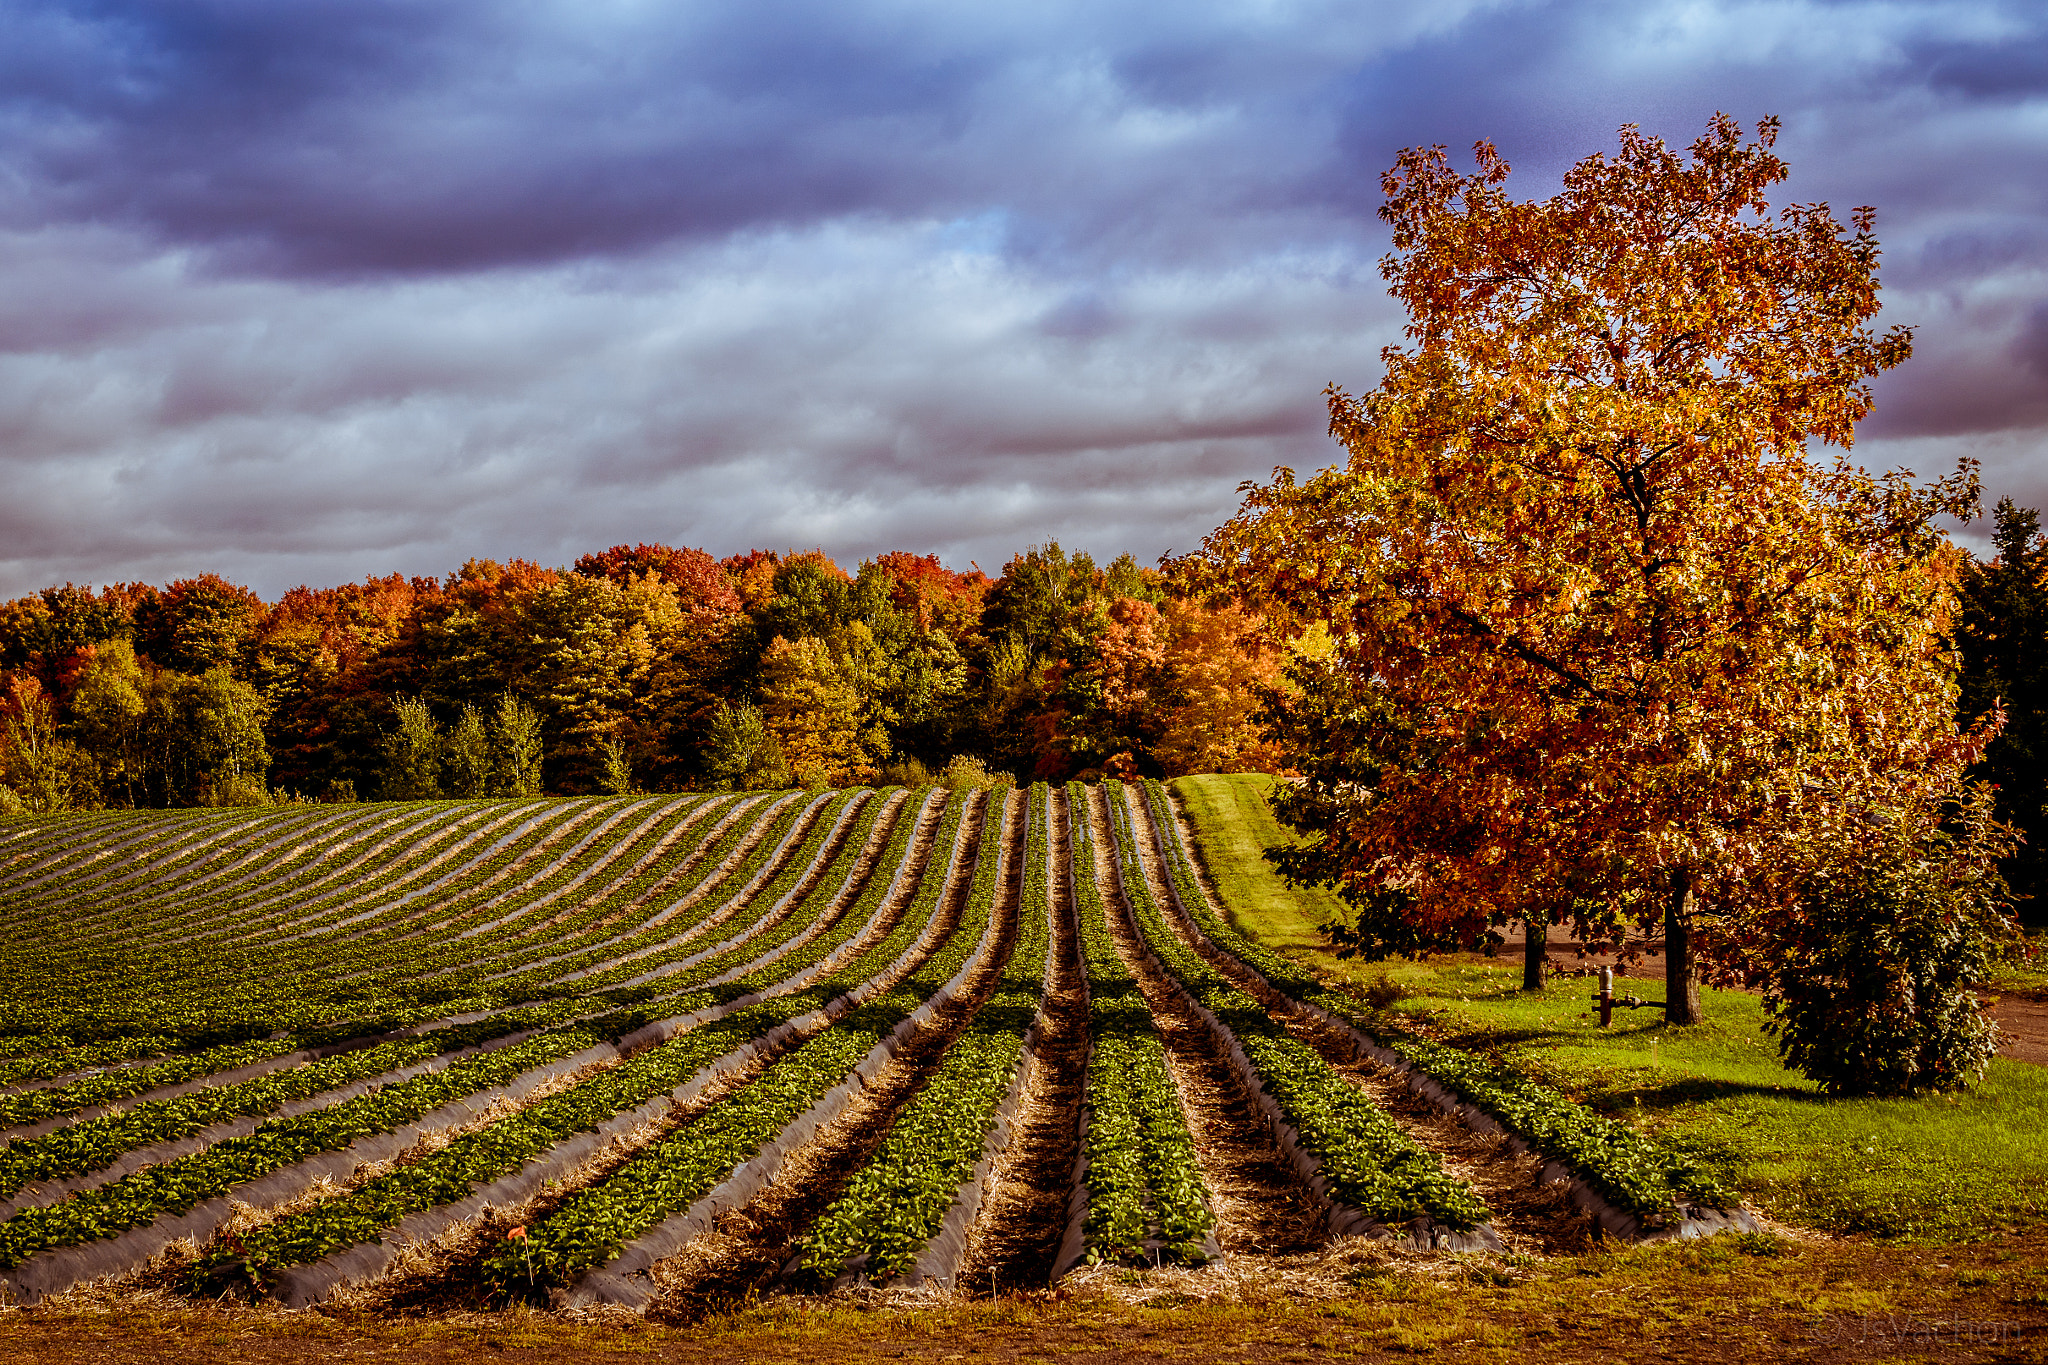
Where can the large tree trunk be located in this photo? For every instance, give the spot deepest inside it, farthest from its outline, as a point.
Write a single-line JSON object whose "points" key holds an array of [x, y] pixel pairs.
{"points": [[1535, 952], [1681, 983]]}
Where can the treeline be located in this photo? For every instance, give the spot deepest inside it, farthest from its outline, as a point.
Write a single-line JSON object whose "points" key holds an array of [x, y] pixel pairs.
{"points": [[644, 667]]}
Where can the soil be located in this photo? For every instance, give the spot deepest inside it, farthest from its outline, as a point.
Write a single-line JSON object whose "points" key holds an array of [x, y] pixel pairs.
{"points": [[1261, 1207], [748, 1249], [1016, 1237]]}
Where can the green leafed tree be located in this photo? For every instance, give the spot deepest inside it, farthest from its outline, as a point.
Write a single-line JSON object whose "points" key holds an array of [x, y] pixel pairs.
{"points": [[205, 736], [516, 749], [412, 753], [2002, 635], [740, 754], [467, 755], [614, 766]]}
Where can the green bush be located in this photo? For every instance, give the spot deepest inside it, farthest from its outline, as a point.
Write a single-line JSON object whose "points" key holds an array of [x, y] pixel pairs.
{"points": [[1873, 996]]}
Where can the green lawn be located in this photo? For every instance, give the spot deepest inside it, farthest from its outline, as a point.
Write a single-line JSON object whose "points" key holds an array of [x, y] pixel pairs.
{"points": [[1235, 827], [1943, 1168]]}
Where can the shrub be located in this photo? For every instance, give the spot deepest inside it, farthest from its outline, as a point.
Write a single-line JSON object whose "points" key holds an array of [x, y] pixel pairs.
{"points": [[965, 772], [1873, 995]]}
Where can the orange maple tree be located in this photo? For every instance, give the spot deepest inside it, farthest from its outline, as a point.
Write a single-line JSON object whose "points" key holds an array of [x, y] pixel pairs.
{"points": [[1624, 644]]}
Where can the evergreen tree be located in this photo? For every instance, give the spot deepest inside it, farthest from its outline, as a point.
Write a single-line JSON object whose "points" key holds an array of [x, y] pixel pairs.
{"points": [[2002, 637]]}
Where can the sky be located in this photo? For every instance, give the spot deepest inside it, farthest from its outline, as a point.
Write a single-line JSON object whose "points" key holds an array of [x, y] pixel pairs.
{"points": [[303, 292]]}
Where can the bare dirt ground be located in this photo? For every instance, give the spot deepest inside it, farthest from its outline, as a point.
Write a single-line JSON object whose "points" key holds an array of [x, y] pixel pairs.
{"points": [[1261, 1207], [1016, 1238]]}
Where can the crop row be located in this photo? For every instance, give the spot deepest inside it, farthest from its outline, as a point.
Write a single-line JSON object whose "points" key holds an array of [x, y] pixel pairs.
{"points": [[96, 1143], [1145, 1186], [474, 1159], [219, 991], [1631, 1170], [603, 958], [170, 892], [175, 1186], [894, 1205], [469, 947], [292, 985], [664, 1180], [1367, 1160]]}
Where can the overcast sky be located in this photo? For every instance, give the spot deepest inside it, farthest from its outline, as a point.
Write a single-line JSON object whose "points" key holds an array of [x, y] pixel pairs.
{"points": [[305, 291]]}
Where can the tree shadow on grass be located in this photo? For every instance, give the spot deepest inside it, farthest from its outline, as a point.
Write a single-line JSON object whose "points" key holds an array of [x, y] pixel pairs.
{"points": [[1697, 1090]]}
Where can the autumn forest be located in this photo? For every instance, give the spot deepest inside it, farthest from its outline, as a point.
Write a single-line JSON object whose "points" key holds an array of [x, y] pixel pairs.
{"points": [[640, 668]]}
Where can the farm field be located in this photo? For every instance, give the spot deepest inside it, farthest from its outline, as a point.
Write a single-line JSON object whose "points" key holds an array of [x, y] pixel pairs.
{"points": [[1937, 1169], [606, 1071]]}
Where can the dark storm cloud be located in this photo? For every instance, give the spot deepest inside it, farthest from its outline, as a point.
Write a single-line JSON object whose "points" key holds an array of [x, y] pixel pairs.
{"points": [[306, 291]]}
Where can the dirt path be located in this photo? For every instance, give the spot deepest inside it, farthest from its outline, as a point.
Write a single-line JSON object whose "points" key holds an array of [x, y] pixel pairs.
{"points": [[2025, 1022], [1017, 1235], [1261, 1208]]}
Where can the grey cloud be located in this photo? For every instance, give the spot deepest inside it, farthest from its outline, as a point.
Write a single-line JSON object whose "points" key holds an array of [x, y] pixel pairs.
{"points": [[806, 390], [304, 292]]}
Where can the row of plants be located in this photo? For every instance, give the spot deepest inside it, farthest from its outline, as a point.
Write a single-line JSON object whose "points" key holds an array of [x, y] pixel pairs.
{"points": [[45, 1056], [92, 851], [168, 910], [92, 1145], [174, 1187], [518, 902], [477, 1158], [1632, 1171], [97, 985], [598, 853], [299, 976], [663, 875], [95, 1143], [1145, 1186], [152, 897], [117, 946], [58, 992], [1367, 1160], [467, 894], [291, 979], [673, 1173], [608, 954], [460, 849], [895, 1204], [25, 1107]]}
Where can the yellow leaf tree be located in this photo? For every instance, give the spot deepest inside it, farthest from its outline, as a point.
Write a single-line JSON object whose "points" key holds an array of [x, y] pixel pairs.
{"points": [[1613, 639]]}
